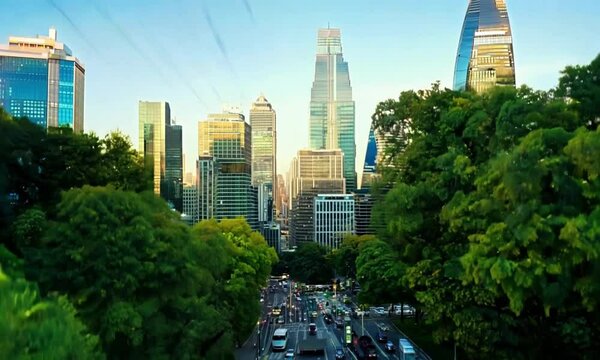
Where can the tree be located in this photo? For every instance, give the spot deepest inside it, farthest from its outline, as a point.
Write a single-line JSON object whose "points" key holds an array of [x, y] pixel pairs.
{"points": [[310, 264], [344, 258], [36, 328], [581, 85], [133, 272]]}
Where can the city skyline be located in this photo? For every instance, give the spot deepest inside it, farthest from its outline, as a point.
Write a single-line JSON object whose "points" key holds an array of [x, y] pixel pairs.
{"points": [[223, 68]]}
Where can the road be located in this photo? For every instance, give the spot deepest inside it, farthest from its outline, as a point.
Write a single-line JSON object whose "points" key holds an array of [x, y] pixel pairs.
{"points": [[297, 322]]}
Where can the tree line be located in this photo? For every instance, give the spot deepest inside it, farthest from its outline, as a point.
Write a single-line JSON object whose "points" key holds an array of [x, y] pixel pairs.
{"points": [[491, 217], [94, 265]]}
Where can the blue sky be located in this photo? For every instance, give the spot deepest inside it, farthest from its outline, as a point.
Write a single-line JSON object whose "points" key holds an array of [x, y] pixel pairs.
{"points": [[167, 50]]}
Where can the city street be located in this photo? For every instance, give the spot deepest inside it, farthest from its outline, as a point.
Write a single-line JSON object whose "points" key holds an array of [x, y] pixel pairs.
{"points": [[297, 324]]}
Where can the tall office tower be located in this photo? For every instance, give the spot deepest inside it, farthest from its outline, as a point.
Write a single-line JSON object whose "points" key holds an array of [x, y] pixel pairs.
{"points": [[313, 172], [190, 204], [485, 55], [369, 168], [334, 219], [41, 79], [173, 183], [363, 207], [332, 110], [282, 198], [160, 142], [226, 138], [264, 156], [206, 179]]}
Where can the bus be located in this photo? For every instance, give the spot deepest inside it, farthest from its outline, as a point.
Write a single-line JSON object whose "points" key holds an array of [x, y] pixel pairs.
{"points": [[279, 341], [405, 350]]}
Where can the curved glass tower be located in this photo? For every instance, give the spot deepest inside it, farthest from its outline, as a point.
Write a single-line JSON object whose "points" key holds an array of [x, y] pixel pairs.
{"points": [[485, 55], [331, 105]]}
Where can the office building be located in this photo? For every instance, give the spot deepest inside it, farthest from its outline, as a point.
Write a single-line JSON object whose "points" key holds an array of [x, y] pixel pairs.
{"points": [[190, 204], [264, 157], [332, 110], [42, 80], [160, 142], [206, 179], [363, 207], [226, 137], [485, 55], [312, 172], [333, 219], [271, 231]]}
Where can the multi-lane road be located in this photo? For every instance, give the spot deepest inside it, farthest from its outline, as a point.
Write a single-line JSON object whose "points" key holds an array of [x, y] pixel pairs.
{"points": [[296, 319]]}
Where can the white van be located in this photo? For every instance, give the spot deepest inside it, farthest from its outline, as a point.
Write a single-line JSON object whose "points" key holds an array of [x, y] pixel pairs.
{"points": [[279, 340]]}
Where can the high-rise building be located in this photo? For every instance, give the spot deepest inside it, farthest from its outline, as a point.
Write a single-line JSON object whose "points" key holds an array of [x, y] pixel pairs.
{"points": [[312, 172], [333, 219], [332, 111], [369, 168], [160, 142], [226, 138], [271, 231], [264, 156], [485, 55], [190, 204], [363, 207], [206, 179], [41, 79]]}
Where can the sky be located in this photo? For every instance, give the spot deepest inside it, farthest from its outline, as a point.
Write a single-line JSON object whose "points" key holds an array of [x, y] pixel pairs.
{"points": [[204, 55]]}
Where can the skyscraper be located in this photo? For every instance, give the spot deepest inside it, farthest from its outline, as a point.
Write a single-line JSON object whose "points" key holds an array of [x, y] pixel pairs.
{"points": [[370, 165], [160, 142], [485, 52], [313, 172], [226, 138], [41, 79], [264, 153], [333, 218], [332, 112]]}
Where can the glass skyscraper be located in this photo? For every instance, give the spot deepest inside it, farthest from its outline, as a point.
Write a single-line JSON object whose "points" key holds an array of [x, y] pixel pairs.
{"points": [[332, 118], [264, 156], [226, 138], [485, 55], [160, 142], [41, 80]]}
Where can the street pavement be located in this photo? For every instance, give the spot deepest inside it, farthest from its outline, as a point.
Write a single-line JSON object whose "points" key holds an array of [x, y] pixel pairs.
{"points": [[297, 322]]}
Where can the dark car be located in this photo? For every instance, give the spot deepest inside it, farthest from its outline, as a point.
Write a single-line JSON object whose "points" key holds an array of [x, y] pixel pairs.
{"points": [[381, 336], [339, 323], [328, 319], [339, 354], [389, 346], [312, 329]]}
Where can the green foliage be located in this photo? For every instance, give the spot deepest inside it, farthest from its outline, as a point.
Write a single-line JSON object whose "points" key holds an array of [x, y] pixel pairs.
{"points": [[344, 257], [310, 264], [35, 328], [491, 218]]}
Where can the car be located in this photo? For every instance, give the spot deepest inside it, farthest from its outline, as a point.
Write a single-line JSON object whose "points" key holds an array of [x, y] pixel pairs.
{"points": [[339, 323], [280, 320], [339, 354], [383, 326], [289, 354], [312, 329], [389, 346], [382, 336], [328, 319]]}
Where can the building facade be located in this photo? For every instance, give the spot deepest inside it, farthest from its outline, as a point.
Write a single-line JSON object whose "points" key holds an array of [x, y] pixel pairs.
{"points": [[160, 142], [333, 218], [312, 172], [264, 157], [485, 55], [271, 231], [190, 204], [206, 179], [226, 138], [41, 80], [363, 207], [332, 110]]}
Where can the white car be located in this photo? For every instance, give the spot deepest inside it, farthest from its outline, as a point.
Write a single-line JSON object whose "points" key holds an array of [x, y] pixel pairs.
{"points": [[289, 354], [383, 326]]}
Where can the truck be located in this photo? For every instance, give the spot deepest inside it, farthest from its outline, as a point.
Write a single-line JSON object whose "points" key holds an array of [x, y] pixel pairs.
{"points": [[363, 347], [311, 345]]}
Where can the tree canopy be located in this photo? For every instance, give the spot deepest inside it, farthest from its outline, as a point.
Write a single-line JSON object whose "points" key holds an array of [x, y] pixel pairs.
{"points": [[491, 218]]}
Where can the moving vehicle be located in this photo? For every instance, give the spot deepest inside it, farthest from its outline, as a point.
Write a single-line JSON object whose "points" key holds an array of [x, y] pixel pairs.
{"points": [[381, 336], [405, 350], [280, 320], [389, 346], [311, 345], [339, 354], [363, 347], [312, 329], [289, 354], [279, 340], [383, 326], [276, 311]]}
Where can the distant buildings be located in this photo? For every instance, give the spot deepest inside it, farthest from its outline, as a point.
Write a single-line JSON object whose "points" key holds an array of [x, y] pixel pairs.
{"points": [[485, 55], [41, 79], [224, 145], [264, 157], [190, 203], [333, 219], [160, 142], [312, 172], [332, 111]]}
